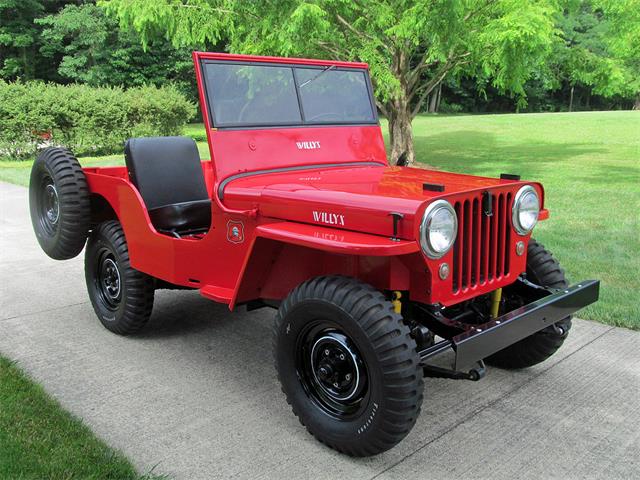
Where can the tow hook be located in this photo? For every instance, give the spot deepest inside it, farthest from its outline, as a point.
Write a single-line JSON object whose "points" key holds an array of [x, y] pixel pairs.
{"points": [[474, 374]]}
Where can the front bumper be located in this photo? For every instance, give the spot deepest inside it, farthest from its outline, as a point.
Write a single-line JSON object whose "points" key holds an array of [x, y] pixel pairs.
{"points": [[481, 341]]}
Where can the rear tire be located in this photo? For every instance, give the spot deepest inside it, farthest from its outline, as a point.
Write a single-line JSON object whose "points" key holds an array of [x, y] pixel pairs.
{"points": [[59, 203], [544, 270], [122, 297], [347, 365]]}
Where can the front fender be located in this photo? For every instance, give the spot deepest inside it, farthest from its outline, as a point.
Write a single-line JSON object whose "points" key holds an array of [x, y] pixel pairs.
{"points": [[334, 240], [285, 254]]}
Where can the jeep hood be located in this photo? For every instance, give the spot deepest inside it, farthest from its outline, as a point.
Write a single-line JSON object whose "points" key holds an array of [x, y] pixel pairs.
{"points": [[358, 198]]}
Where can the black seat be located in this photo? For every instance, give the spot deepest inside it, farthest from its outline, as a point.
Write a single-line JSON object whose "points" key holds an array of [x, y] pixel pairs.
{"points": [[168, 174]]}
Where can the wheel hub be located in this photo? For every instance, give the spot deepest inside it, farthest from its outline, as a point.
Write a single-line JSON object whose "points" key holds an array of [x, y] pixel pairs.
{"points": [[335, 366], [110, 279], [52, 206]]}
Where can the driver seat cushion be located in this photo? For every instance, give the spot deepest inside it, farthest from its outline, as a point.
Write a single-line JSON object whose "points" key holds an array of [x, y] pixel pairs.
{"points": [[168, 174]]}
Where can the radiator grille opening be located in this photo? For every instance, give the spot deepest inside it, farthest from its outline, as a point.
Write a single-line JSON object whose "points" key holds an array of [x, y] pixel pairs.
{"points": [[481, 249]]}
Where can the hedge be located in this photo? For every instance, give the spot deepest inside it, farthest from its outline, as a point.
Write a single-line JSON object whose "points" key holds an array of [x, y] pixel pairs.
{"points": [[85, 119]]}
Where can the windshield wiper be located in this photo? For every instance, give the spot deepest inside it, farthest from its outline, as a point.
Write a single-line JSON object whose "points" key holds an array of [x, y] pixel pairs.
{"points": [[324, 70]]}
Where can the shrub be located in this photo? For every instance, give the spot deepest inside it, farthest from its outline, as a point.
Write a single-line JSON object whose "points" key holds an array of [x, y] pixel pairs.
{"points": [[85, 119], [23, 121]]}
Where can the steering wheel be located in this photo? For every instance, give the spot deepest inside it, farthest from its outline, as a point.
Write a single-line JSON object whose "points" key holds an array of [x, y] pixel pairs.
{"points": [[336, 115], [245, 109]]}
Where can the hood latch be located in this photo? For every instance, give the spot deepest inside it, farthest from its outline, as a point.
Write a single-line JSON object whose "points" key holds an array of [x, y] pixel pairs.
{"points": [[396, 218]]}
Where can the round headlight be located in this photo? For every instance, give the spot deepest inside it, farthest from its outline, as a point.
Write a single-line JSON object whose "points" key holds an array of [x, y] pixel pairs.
{"points": [[526, 208], [438, 229]]}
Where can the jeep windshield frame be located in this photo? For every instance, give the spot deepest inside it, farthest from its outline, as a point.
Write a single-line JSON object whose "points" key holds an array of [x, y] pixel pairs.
{"points": [[251, 95]]}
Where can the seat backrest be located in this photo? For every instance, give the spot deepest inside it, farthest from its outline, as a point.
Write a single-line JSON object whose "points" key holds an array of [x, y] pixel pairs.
{"points": [[166, 170]]}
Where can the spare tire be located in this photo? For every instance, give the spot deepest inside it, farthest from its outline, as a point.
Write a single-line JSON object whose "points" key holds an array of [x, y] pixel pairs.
{"points": [[59, 203]]}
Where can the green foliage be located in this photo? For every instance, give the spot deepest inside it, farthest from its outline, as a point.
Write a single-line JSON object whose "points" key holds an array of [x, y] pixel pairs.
{"points": [[20, 38], [21, 119], [581, 57], [85, 119], [401, 40], [18, 35], [622, 40], [93, 50]]}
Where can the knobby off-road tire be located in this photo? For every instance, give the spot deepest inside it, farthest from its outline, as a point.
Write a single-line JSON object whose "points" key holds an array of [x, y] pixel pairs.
{"points": [[59, 203], [121, 296], [543, 270], [330, 319]]}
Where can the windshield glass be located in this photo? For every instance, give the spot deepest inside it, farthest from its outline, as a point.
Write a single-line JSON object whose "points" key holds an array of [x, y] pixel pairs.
{"points": [[334, 95], [248, 94], [251, 95]]}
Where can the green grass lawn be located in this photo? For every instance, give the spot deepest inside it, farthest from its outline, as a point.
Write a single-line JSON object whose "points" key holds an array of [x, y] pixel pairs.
{"points": [[38, 439], [589, 164]]}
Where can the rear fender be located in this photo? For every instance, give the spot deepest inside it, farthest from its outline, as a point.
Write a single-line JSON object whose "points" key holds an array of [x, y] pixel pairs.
{"points": [[144, 243]]}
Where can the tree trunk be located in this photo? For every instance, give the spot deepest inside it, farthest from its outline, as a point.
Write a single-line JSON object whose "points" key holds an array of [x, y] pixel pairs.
{"points": [[588, 103], [636, 105], [571, 99], [433, 101], [439, 97], [400, 133]]}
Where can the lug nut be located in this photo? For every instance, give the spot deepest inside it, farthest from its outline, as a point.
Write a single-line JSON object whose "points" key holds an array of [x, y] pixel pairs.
{"points": [[342, 356], [335, 384], [326, 352], [347, 377]]}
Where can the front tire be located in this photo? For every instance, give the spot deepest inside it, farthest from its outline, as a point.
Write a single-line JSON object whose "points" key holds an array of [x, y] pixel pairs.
{"points": [[544, 270], [347, 365], [122, 297]]}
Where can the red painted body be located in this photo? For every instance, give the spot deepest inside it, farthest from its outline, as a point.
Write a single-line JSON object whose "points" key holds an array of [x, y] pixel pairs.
{"points": [[265, 237]]}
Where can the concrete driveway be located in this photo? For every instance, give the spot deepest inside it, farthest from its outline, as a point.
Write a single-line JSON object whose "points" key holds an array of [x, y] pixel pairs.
{"points": [[196, 395]]}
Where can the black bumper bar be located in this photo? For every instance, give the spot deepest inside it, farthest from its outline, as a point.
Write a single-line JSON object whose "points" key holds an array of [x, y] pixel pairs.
{"points": [[483, 340]]}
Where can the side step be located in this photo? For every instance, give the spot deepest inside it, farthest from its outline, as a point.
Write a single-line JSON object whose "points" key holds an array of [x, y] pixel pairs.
{"points": [[218, 294]]}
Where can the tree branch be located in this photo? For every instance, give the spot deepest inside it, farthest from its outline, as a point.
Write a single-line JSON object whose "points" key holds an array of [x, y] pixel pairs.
{"points": [[364, 37], [382, 108], [332, 50], [429, 88]]}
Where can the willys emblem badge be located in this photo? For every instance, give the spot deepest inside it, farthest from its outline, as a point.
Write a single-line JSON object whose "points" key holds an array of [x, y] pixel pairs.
{"points": [[235, 231]]}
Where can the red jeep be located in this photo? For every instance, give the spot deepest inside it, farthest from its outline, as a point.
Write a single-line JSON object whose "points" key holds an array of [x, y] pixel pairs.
{"points": [[375, 269]]}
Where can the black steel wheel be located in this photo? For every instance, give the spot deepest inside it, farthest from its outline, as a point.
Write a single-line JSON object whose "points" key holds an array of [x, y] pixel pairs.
{"points": [[347, 365], [59, 203], [544, 270], [331, 369], [121, 296]]}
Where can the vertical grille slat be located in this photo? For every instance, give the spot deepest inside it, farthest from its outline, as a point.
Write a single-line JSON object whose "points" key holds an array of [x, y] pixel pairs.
{"points": [[484, 252], [461, 248], [500, 268], [457, 249], [481, 250], [493, 240], [475, 274], [508, 235], [467, 253]]}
